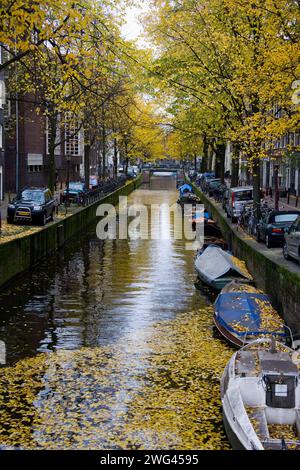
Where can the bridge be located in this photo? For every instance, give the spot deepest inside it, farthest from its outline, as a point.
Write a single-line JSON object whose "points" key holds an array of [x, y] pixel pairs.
{"points": [[147, 172]]}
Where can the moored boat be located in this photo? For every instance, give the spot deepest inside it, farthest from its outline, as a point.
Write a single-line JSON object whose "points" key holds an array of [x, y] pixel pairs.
{"points": [[260, 394], [186, 196], [217, 267], [242, 314], [210, 226]]}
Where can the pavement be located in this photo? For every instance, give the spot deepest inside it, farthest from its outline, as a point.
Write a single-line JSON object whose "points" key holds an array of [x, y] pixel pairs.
{"points": [[285, 203]]}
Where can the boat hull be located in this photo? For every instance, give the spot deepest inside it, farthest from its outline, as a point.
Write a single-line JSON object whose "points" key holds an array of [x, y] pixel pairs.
{"points": [[231, 435], [216, 284], [232, 339]]}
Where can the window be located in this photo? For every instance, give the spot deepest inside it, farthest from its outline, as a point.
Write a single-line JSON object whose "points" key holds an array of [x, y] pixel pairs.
{"points": [[34, 168], [285, 218], [1, 136], [2, 93], [243, 195], [57, 138], [34, 196], [7, 114], [72, 139]]}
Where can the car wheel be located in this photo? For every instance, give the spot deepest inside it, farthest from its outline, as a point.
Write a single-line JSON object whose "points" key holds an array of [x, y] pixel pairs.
{"points": [[43, 219], [285, 251], [268, 242]]}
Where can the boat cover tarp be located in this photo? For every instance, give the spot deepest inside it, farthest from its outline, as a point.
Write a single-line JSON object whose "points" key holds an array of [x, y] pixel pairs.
{"points": [[215, 262], [185, 188], [241, 312]]}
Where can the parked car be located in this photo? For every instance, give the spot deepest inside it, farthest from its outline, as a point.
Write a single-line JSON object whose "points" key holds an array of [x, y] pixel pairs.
{"points": [[34, 205], [225, 198], [192, 175], [213, 185], [272, 227], [291, 245], [76, 191], [237, 198], [205, 179], [131, 174]]}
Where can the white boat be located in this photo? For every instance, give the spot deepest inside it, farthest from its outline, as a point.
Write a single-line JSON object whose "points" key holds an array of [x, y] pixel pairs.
{"points": [[217, 267], [260, 394]]}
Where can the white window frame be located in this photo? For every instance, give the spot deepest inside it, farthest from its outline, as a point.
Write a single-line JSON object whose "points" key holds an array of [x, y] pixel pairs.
{"points": [[57, 139]]}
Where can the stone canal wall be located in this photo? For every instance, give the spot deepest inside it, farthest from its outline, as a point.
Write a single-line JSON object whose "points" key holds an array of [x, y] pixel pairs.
{"points": [[279, 279], [22, 253]]}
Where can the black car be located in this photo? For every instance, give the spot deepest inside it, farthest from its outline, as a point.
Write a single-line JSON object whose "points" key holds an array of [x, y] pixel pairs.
{"points": [[34, 205], [213, 185], [272, 227], [76, 192]]}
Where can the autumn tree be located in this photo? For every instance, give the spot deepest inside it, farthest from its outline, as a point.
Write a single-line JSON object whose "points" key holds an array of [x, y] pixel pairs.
{"points": [[236, 60]]}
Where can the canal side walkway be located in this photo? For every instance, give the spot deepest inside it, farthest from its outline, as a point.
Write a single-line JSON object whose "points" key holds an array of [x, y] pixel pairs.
{"points": [[279, 278]]}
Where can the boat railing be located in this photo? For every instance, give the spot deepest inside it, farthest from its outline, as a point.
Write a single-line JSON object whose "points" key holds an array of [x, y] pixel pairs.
{"points": [[285, 327]]}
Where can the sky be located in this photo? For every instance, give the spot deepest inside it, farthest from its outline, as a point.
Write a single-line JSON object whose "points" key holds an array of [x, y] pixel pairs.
{"points": [[132, 29]]}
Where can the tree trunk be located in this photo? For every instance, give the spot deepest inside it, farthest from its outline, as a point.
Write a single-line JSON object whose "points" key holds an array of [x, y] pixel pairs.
{"points": [[103, 151], [256, 185], [276, 187], [235, 164], [211, 160], [205, 155], [220, 161], [115, 159], [52, 129], [87, 150], [195, 162]]}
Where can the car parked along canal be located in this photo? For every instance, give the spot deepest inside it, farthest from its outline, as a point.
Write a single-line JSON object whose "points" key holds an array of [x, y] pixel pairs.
{"points": [[33, 205]]}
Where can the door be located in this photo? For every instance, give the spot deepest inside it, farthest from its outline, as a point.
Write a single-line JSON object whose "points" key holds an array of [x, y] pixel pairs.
{"points": [[48, 202], [297, 241], [293, 239]]}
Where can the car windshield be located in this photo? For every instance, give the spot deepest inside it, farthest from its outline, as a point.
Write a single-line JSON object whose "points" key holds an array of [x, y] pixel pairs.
{"points": [[76, 186], [285, 218], [243, 195], [215, 183], [34, 196]]}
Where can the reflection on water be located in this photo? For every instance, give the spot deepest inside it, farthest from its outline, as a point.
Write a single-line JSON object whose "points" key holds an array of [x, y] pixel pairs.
{"points": [[93, 291], [129, 367]]}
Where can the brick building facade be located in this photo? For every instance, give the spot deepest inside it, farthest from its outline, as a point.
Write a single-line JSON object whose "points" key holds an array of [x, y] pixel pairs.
{"points": [[26, 149]]}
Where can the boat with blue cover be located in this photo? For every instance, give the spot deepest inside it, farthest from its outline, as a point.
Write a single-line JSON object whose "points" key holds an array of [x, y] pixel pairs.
{"points": [[187, 196], [242, 314]]}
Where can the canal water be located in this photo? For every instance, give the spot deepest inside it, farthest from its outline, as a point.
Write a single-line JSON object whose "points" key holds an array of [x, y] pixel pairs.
{"points": [[110, 346]]}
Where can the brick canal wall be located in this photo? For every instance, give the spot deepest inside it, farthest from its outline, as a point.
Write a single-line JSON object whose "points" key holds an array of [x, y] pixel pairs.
{"points": [[22, 253], [275, 278]]}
